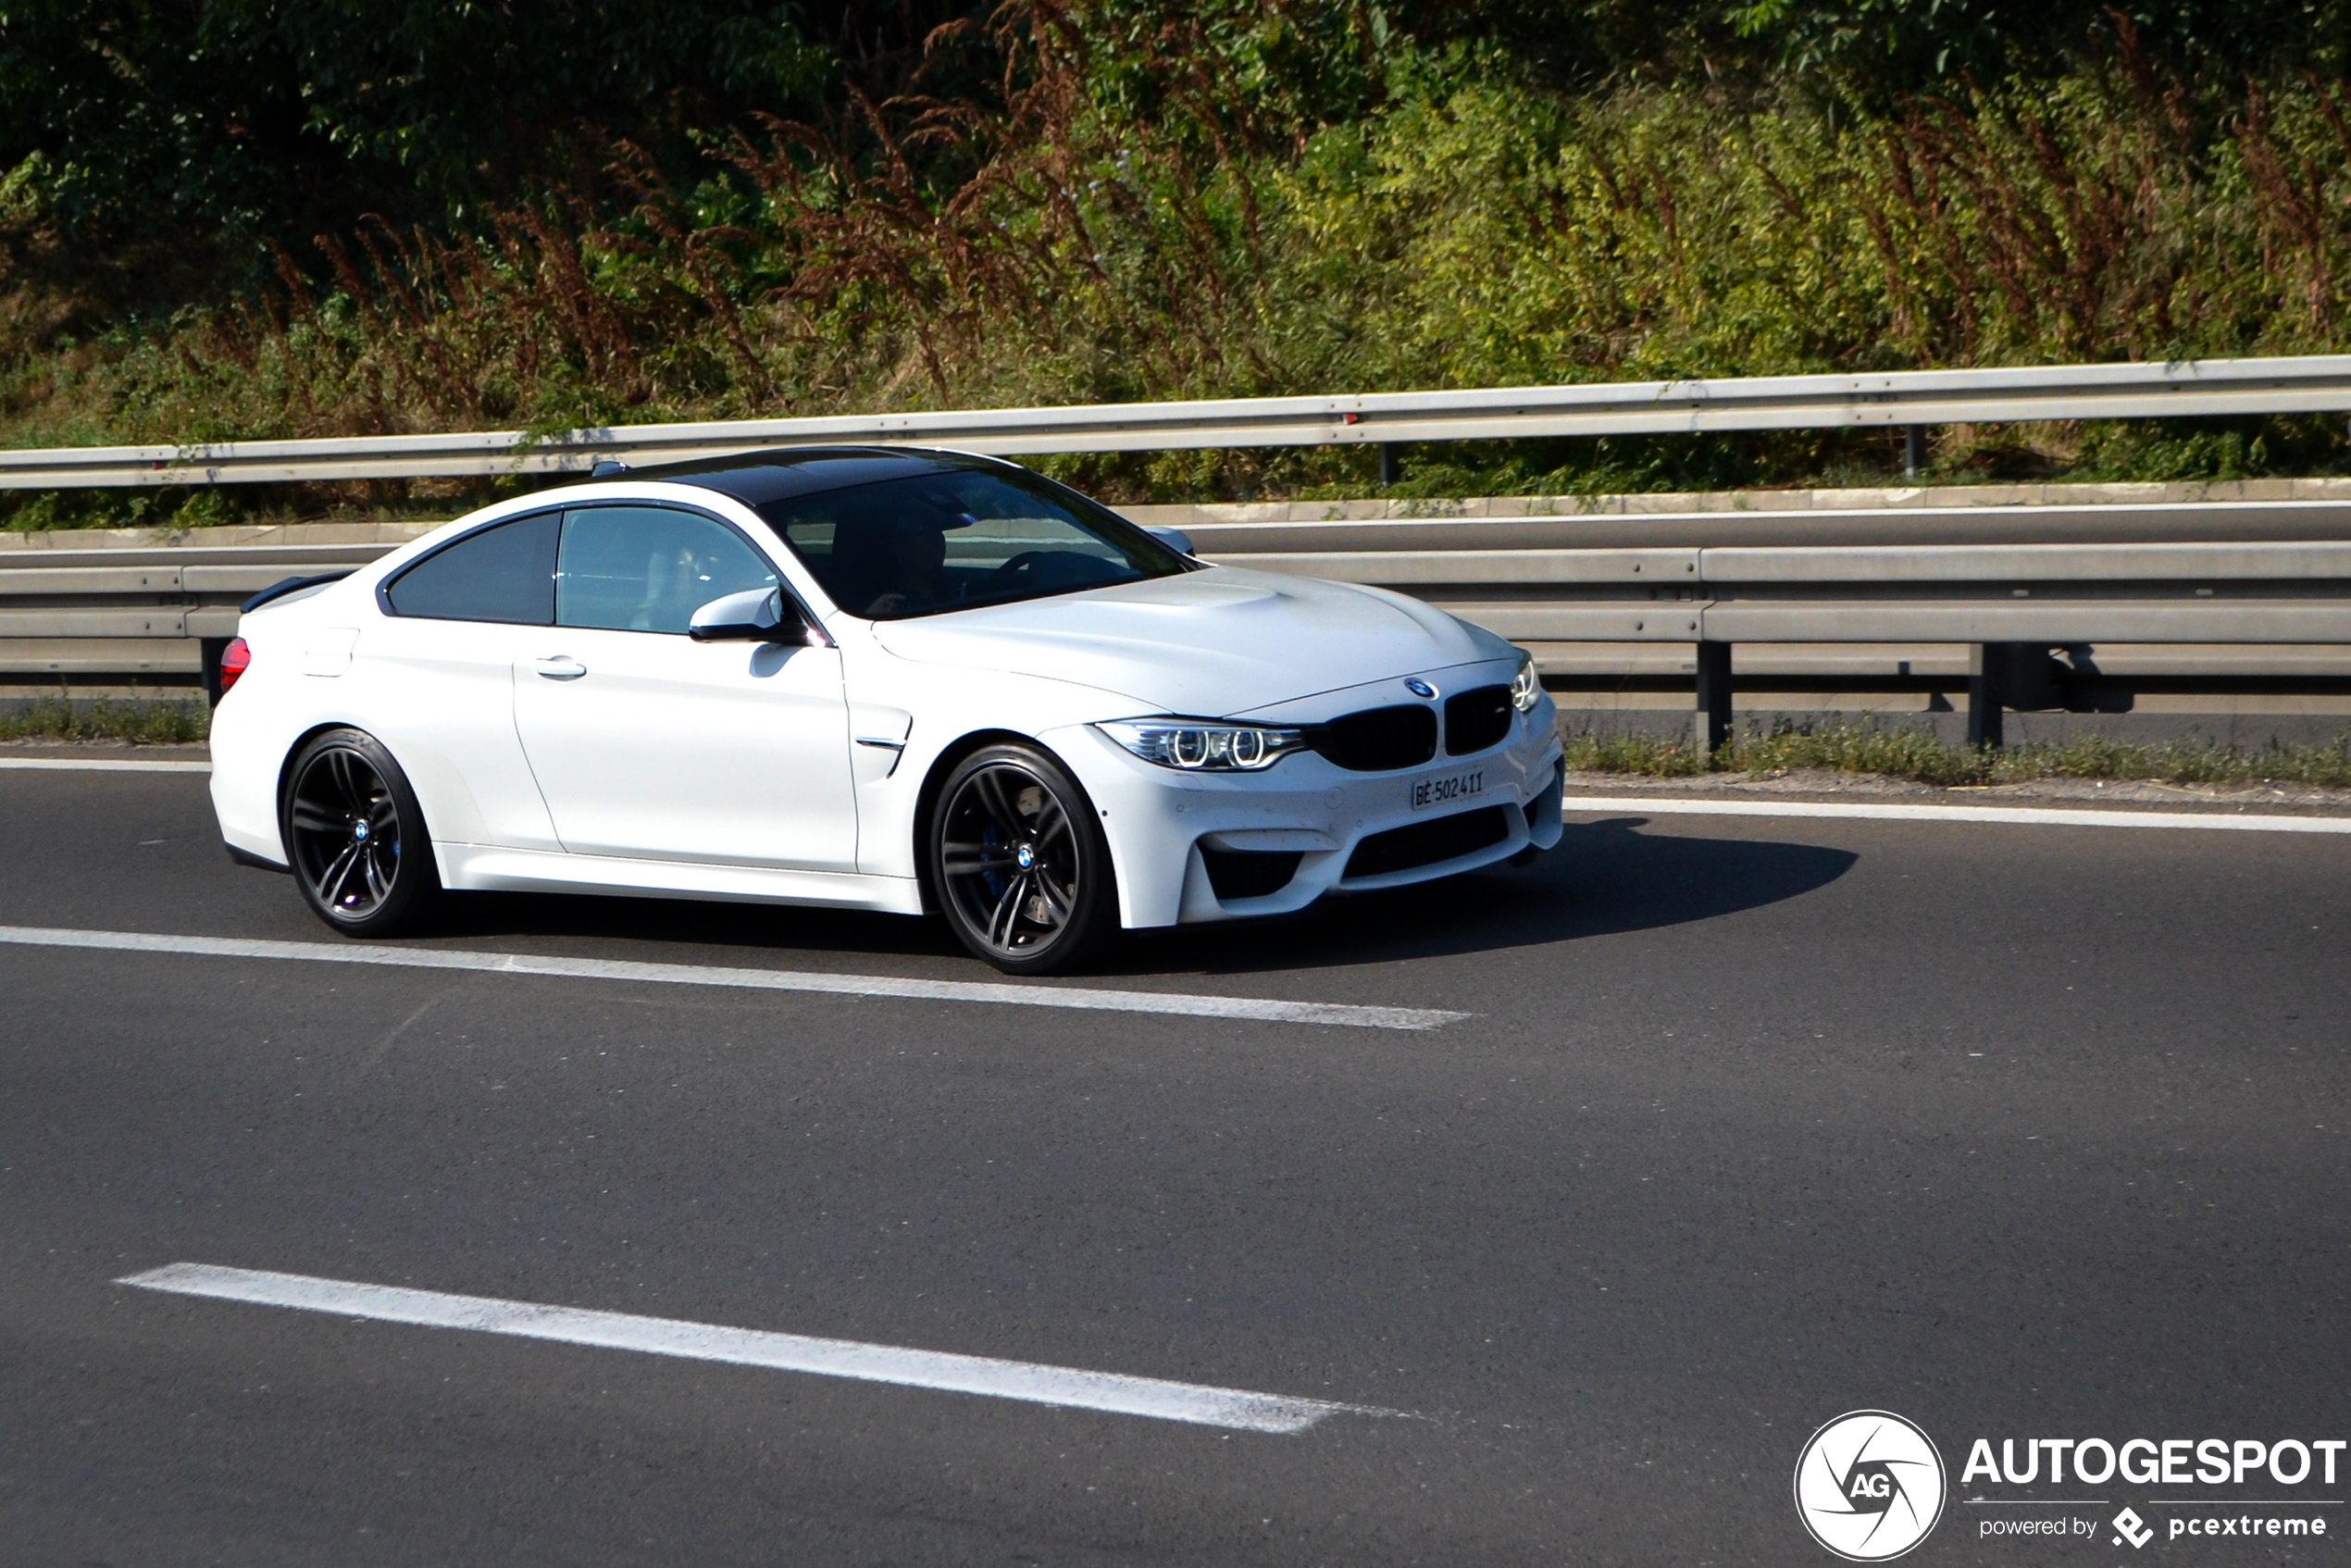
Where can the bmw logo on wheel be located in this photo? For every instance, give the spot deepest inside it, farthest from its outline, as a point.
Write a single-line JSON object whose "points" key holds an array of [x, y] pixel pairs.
{"points": [[1870, 1486]]}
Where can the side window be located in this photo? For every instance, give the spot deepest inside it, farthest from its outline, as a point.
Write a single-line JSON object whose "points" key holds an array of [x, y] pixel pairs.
{"points": [[648, 568], [506, 573]]}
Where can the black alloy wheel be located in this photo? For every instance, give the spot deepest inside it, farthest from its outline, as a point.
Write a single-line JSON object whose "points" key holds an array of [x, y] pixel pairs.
{"points": [[1019, 864], [356, 836]]}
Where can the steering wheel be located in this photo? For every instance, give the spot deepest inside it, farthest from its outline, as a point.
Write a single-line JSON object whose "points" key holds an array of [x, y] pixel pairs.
{"points": [[1022, 562]]}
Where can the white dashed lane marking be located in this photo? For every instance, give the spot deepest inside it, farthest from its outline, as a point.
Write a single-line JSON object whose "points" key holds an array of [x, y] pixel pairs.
{"points": [[1180, 1004], [1157, 1398]]}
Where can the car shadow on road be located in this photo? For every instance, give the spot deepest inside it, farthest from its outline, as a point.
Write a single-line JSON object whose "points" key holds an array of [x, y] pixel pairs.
{"points": [[1604, 878], [773, 929]]}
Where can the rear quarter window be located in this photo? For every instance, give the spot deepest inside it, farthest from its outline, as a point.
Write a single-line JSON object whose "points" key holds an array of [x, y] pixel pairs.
{"points": [[504, 573]]}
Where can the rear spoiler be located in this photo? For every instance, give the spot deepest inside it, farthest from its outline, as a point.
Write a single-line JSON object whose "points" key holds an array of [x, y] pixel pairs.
{"points": [[291, 585]]}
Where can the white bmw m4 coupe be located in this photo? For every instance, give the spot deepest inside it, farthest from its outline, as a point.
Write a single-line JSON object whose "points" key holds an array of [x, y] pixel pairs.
{"points": [[866, 678]]}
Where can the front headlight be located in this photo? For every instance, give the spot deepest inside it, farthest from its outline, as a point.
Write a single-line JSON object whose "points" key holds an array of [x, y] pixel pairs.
{"points": [[1527, 688], [1200, 745]]}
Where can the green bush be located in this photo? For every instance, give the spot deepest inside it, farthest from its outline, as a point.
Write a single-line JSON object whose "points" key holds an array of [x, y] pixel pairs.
{"points": [[1919, 755], [1136, 201], [166, 722]]}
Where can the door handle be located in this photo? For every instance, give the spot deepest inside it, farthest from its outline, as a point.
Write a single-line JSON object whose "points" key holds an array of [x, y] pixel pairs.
{"points": [[563, 666]]}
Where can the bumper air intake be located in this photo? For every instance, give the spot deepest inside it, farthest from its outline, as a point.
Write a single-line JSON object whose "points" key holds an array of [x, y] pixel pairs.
{"points": [[1426, 843], [1249, 874]]}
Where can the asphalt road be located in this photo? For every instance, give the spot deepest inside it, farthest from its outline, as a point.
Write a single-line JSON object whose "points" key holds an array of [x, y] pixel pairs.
{"points": [[2024, 1132]]}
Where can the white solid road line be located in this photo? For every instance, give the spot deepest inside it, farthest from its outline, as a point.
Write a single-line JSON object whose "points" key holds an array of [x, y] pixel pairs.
{"points": [[1156, 1397], [100, 764], [1087, 999], [2026, 817]]}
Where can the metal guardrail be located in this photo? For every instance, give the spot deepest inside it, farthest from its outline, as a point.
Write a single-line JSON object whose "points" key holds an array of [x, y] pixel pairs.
{"points": [[2011, 584], [2008, 584], [1914, 398], [108, 615]]}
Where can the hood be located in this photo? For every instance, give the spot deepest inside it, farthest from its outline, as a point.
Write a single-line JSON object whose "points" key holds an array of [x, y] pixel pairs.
{"points": [[1214, 642]]}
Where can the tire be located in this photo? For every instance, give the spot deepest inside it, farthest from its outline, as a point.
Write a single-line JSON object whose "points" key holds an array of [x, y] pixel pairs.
{"points": [[1018, 861], [356, 837]]}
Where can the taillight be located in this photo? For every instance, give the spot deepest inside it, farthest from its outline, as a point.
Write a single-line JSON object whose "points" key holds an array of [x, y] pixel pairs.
{"points": [[235, 661]]}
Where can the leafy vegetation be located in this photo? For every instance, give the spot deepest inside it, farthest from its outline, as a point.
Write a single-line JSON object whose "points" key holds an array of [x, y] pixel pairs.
{"points": [[711, 210], [153, 723], [1920, 756]]}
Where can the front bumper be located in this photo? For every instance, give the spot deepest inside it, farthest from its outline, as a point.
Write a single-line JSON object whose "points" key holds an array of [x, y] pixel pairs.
{"points": [[1159, 821]]}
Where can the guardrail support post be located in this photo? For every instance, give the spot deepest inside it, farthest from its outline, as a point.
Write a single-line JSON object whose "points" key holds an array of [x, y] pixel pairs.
{"points": [[210, 649], [1913, 450], [1987, 668], [1391, 463], [1713, 723]]}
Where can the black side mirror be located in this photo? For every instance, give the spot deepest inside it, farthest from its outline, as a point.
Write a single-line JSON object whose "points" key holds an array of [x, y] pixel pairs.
{"points": [[758, 615]]}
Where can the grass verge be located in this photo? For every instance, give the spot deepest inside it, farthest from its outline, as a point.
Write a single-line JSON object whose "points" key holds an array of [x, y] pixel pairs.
{"points": [[1919, 755], [153, 724]]}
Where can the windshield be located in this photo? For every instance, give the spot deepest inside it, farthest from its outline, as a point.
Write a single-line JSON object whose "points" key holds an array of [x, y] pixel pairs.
{"points": [[947, 542]]}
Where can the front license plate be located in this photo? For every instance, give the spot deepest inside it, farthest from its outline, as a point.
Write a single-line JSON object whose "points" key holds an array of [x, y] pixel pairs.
{"points": [[1449, 790]]}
